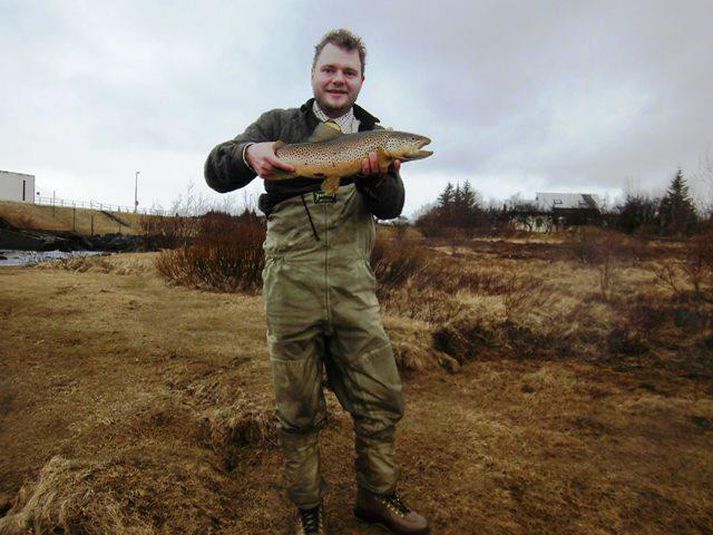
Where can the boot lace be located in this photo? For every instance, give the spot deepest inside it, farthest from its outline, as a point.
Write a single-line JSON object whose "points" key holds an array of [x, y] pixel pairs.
{"points": [[311, 521], [393, 501]]}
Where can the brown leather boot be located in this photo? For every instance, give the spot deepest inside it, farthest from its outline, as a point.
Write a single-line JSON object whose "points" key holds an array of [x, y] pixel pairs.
{"points": [[389, 511], [310, 522]]}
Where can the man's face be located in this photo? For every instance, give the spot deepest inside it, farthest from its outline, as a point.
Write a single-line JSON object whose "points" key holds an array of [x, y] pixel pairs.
{"points": [[336, 79]]}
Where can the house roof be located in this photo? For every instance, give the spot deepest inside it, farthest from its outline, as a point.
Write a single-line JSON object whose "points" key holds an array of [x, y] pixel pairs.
{"points": [[548, 201]]}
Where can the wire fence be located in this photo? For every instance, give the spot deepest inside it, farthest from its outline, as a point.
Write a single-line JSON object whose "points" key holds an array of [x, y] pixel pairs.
{"points": [[95, 205]]}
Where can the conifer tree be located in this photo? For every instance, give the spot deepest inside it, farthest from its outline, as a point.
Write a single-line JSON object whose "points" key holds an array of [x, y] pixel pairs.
{"points": [[677, 213]]}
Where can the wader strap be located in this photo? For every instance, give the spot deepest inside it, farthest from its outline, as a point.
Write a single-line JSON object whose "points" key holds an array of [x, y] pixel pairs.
{"points": [[309, 216]]}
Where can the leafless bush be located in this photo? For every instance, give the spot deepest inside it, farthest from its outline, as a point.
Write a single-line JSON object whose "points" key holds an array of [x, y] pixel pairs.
{"points": [[522, 293], [667, 276], [698, 261], [395, 263], [694, 268], [643, 321], [167, 232], [226, 255]]}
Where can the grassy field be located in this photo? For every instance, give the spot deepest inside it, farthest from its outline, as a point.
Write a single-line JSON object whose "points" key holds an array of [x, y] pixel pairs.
{"points": [[552, 387], [58, 218]]}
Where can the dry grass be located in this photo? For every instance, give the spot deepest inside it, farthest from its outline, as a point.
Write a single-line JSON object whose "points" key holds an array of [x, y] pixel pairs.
{"points": [[119, 264], [37, 217], [133, 407]]}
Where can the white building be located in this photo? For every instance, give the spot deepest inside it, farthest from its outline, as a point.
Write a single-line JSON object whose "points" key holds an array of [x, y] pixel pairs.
{"points": [[17, 187]]}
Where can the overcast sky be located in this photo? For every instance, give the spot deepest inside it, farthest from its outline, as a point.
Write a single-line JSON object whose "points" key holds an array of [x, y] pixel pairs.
{"points": [[517, 96]]}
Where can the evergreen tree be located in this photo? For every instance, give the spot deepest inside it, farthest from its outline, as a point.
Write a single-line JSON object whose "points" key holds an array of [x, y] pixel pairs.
{"points": [[445, 199], [676, 211], [470, 201]]}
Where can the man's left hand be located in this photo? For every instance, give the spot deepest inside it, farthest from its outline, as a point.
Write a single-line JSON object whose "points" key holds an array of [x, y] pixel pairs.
{"points": [[370, 166]]}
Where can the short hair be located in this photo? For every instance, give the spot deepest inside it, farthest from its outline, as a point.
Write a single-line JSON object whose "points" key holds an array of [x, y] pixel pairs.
{"points": [[343, 39]]}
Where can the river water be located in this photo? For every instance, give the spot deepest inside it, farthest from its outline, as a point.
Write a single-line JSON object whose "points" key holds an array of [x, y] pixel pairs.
{"points": [[23, 258]]}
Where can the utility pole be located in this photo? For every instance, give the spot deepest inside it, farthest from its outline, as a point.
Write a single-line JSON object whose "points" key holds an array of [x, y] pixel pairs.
{"points": [[136, 192]]}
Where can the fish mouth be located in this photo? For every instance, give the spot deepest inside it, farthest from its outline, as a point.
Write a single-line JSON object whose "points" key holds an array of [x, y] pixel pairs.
{"points": [[419, 154]]}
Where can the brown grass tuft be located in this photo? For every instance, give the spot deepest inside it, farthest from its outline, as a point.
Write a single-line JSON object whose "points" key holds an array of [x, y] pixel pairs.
{"points": [[228, 430], [66, 499]]}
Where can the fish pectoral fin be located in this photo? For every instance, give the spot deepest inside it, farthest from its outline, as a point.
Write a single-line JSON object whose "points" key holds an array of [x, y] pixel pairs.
{"points": [[325, 131], [331, 185], [277, 144], [383, 157]]}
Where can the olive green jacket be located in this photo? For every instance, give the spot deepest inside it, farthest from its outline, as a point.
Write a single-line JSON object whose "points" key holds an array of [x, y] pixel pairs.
{"points": [[226, 171]]}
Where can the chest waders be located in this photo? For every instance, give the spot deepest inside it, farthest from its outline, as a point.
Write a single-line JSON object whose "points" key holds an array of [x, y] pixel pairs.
{"points": [[321, 310]]}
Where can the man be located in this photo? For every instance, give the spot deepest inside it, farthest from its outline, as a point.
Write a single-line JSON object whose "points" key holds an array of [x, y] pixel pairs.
{"points": [[319, 292]]}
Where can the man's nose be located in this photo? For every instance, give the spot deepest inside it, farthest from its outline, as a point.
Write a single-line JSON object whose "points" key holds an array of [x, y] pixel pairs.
{"points": [[338, 77]]}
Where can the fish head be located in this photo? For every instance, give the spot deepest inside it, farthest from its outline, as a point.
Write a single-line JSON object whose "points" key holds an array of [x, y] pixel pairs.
{"points": [[405, 146]]}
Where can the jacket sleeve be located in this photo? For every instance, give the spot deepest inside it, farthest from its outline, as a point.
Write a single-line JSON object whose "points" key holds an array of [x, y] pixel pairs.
{"points": [[384, 196], [225, 169]]}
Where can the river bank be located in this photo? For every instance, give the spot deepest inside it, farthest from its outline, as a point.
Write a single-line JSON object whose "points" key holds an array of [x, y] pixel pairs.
{"points": [[24, 258]]}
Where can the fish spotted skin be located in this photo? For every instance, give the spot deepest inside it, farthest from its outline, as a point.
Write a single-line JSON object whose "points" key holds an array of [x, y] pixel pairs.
{"points": [[337, 155]]}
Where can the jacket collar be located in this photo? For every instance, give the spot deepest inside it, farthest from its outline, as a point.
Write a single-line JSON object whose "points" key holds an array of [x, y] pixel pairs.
{"points": [[366, 119]]}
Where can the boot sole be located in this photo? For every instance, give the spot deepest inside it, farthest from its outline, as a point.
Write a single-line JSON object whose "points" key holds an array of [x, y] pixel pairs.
{"points": [[374, 520]]}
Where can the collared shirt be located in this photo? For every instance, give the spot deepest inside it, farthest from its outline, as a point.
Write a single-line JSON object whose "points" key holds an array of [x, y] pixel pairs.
{"points": [[347, 122]]}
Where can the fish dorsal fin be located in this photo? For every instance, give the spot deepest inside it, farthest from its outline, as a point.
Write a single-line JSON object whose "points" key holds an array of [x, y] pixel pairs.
{"points": [[325, 131]]}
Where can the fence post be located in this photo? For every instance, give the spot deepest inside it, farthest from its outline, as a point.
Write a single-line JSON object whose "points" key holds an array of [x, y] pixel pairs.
{"points": [[74, 218], [92, 226]]}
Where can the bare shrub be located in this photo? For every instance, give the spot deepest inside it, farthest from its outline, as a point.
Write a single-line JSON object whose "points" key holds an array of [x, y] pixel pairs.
{"points": [[605, 249], [167, 232], [226, 256], [667, 276], [521, 294], [693, 269], [697, 262], [395, 263]]}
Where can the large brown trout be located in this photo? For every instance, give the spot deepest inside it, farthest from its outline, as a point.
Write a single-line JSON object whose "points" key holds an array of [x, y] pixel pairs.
{"points": [[329, 155]]}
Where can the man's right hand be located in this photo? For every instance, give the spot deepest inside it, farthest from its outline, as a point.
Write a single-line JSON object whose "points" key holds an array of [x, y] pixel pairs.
{"points": [[262, 158]]}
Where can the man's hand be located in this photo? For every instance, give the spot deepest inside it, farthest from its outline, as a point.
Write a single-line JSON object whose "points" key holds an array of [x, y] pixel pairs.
{"points": [[370, 166], [262, 158]]}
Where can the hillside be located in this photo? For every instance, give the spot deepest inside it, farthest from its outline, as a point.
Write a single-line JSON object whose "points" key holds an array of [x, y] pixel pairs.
{"points": [[81, 220]]}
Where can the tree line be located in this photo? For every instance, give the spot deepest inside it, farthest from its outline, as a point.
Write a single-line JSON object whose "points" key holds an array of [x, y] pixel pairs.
{"points": [[460, 207]]}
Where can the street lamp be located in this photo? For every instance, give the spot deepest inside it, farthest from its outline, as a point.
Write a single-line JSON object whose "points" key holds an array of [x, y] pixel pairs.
{"points": [[136, 192]]}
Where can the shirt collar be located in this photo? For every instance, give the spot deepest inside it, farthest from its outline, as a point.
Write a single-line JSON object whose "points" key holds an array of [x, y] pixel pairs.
{"points": [[366, 119], [347, 122]]}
